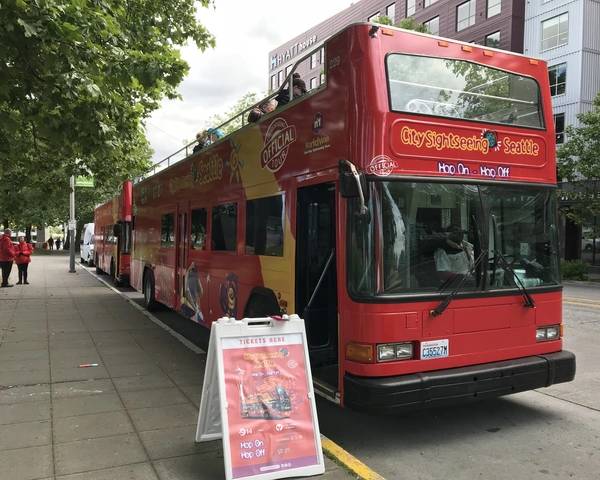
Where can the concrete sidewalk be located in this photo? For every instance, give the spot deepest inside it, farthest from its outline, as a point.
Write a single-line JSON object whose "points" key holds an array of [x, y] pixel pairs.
{"points": [[131, 417]]}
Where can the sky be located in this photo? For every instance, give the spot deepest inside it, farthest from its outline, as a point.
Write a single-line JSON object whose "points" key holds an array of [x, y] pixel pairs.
{"points": [[245, 32]]}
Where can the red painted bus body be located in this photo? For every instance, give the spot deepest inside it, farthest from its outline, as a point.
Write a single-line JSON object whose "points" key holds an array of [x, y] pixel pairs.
{"points": [[440, 285], [112, 236]]}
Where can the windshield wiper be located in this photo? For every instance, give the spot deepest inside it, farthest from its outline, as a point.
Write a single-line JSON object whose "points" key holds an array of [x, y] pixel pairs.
{"points": [[446, 301], [507, 268]]}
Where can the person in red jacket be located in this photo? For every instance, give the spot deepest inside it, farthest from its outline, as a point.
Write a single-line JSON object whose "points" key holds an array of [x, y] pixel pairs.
{"points": [[7, 255], [22, 259]]}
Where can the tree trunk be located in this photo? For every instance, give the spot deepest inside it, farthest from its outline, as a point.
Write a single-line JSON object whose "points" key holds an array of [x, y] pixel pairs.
{"points": [[28, 234]]}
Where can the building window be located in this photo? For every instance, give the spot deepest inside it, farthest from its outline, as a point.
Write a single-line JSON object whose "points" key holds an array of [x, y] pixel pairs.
{"points": [[373, 17], [224, 227], [494, 7], [280, 76], [390, 12], [427, 3], [313, 61], [559, 127], [322, 55], [555, 31], [288, 69], [313, 83], [493, 40], [411, 6], [322, 79], [465, 15], [433, 25], [198, 240], [557, 75], [264, 226], [273, 82], [167, 230]]}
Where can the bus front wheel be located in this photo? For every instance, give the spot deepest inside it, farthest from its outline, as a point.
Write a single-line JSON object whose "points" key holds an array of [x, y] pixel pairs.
{"points": [[149, 300]]}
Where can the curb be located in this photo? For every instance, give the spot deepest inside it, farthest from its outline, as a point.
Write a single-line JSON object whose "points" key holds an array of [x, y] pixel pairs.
{"points": [[347, 460], [330, 448]]}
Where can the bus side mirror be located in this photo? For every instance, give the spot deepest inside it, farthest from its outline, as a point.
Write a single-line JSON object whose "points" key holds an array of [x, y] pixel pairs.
{"points": [[352, 183], [117, 229]]}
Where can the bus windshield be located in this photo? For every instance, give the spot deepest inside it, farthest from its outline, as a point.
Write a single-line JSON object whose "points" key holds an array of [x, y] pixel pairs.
{"points": [[463, 90], [422, 236]]}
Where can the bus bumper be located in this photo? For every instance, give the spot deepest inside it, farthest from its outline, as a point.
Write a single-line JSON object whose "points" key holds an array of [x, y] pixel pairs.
{"points": [[390, 395]]}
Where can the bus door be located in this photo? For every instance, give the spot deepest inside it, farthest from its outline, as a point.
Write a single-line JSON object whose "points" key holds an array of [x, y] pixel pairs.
{"points": [[182, 243], [316, 285]]}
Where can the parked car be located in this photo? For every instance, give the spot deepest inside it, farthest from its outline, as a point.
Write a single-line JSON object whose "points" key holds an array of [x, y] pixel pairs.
{"points": [[587, 244], [86, 251]]}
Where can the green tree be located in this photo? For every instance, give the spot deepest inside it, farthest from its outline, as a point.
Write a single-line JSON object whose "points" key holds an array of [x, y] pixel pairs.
{"points": [[579, 162], [411, 24], [383, 20], [245, 102], [77, 80]]}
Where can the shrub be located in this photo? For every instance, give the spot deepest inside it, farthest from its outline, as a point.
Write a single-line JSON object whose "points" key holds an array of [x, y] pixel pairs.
{"points": [[574, 270]]}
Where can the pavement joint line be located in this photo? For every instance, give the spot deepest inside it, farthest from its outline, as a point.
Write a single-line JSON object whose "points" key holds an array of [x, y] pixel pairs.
{"points": [[330, 448], [580, 299], [582, 304], [568, 401], [347, 460], [149, 315]]}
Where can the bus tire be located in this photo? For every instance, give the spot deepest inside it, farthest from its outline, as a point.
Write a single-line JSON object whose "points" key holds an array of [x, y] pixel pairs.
{"points": [[149, 300], [262, 303]]}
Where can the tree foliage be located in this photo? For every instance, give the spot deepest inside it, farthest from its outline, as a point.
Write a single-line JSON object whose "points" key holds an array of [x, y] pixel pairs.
{"points": [[77, 80], [411, 24], [579, 162], [246, 101]]}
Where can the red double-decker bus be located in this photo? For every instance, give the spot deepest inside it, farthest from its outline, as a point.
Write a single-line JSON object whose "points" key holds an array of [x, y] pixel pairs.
{"points": [[112, 236], [405, 209]]}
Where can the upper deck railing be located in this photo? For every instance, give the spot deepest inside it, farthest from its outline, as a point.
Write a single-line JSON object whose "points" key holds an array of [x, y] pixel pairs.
{"points": [[239, 120]]}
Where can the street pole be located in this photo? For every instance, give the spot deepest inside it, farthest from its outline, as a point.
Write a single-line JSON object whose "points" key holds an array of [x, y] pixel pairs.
{"points": [[72, 226]]}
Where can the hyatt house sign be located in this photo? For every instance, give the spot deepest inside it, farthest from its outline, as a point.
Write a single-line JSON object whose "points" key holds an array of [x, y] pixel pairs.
{"points": [[294, 49]]}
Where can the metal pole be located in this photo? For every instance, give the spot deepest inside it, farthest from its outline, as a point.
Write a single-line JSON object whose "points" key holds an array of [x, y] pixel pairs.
{"points": [[72, 226]]}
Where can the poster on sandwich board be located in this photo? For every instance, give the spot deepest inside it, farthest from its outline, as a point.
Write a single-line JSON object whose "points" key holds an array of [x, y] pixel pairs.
{"points": [[258, 397]]}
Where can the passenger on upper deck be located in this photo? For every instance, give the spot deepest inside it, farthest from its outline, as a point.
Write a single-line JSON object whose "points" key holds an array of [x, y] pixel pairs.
{"points": [[200, 142], [266, 107], [299, 89], [213, 135]]}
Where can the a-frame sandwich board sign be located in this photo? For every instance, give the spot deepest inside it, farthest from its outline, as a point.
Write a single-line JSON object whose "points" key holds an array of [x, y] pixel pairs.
{"points": [[258, 397]]}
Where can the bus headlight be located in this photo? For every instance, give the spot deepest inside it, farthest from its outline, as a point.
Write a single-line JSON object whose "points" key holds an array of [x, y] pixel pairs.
{"points": [[543, 334], [394, 351]]}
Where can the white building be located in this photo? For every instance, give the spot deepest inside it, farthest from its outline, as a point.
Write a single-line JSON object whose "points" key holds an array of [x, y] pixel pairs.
{"points": [[566, 33]]}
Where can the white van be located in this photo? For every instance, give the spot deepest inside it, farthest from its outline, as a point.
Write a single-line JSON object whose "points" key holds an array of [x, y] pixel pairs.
{"points": [[86, 251]]}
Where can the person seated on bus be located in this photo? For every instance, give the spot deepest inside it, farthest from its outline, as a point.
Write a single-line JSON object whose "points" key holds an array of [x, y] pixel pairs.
{"points": [[454, 256], [299, 89], [254, 115], [213, 135], [266, 107], [200, 142]]}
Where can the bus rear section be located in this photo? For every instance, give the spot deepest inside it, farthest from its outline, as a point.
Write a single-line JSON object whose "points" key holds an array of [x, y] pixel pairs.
{"points": [[450, 237], [112, 237]]}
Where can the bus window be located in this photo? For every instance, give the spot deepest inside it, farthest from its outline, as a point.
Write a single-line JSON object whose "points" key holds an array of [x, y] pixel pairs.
{"points": [[224, 227], [264, 226], [198, 229], [463, 90], [167, 232]]}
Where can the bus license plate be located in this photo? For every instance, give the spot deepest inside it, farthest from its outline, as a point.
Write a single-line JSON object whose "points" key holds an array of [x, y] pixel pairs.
{"points": [[434, 349]]}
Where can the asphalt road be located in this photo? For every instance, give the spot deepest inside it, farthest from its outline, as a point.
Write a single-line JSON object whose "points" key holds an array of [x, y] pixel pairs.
{"points": [[551, 433]]}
